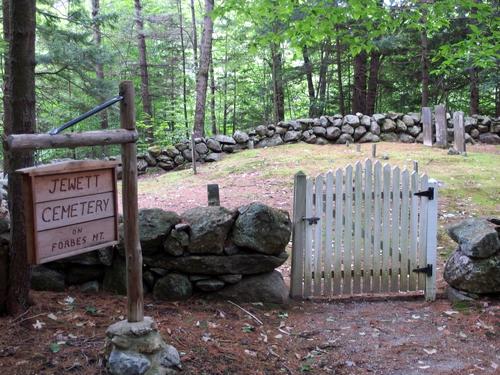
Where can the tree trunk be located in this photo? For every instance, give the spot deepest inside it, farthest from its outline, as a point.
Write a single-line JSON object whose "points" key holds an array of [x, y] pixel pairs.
{"points": [[323, 74], [339, 77], [359, 87], [278, 92], [310, 84], [474, 91], [235, 96], [371, 93], [224, 90], [202, 77], [22, 107], [184, 79], [212, 96], [99, 69], [195, 37], [424, 62], [143, 66], [7, 125]]}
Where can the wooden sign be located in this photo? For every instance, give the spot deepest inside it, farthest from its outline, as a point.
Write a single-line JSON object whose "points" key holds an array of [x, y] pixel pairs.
{"points": [[70, 208]]}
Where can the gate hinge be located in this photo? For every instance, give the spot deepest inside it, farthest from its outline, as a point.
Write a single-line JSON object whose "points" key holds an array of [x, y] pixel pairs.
{"points": [[429, 193], [427, 270], [311, 220]]}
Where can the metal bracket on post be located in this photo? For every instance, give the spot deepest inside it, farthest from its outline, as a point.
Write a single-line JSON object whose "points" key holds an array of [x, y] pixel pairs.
{"points": [[429, 193], [427, 270], [311, 220]]}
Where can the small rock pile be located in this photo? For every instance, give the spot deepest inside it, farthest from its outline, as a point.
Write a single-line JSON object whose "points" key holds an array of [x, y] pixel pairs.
{"points": [[138, 349], [474, 268], [205, 250], [336, 129]]}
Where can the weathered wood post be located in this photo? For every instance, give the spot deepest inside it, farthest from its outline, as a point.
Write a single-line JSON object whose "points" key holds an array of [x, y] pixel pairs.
{"points": [[358, 147], [441, 128], [213, 195], [459, 131], [415, 166], [130, 208], [298, 231], [374, 150], [193, 153], [431, 241], [427, 125]]}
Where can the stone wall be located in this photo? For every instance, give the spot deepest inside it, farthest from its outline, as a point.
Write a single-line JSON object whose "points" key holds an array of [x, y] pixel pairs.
{"points": [[205, 250], [359, 128], [474, 267]]}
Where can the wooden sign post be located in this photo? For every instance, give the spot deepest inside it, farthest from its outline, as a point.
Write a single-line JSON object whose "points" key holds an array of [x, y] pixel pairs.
{"points": [[70, 207], [73, 206]]}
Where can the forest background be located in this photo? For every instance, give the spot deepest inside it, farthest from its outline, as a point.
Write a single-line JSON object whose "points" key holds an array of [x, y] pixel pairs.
{"points": [[216, 68]]}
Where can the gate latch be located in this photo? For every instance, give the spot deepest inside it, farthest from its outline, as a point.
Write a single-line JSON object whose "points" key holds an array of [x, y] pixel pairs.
{"points": [[429, 193], [311, 220], [427, 270]]}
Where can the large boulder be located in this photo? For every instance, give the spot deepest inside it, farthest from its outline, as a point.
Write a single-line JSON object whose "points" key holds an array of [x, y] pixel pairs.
{"points": [[358, 133], [480, 276], [213, 145], [489, 138], [333, 133], [292, 136], [154, 226], [209, 228], [476, 238], [262, 228], [173, 287], [344, 138], [388, 126], [224, 139], [240, 137], [369, 137], [379, 118], [242, 263], [43, 278], [266, 288], [128, 363], [275, 140], [351, 120]]}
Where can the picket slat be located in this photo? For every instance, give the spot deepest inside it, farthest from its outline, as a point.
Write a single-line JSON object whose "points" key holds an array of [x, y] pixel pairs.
{"points": [[405, 182], [396, 202], [309, 240], [377, 228], [347, 260], [358, 190], [318, 212], [412, 279], [367, 253], [339, 216], [386, 239], [422, 236], [328, 234]]}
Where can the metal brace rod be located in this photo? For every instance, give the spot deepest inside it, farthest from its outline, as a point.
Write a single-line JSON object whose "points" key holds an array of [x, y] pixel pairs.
{"points": [[80, 118]]}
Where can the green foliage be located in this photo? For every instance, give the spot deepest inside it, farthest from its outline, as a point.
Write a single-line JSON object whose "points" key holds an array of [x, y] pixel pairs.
{"points": [[462, 34]]}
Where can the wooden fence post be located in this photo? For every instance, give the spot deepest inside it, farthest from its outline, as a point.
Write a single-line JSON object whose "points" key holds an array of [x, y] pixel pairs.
{"points": [[298, 231], [459, 131], [193, 153], [415, 166], [213, 195], [374, 150], [431, 239], [130, 209], [427, 125], [441, 128]]}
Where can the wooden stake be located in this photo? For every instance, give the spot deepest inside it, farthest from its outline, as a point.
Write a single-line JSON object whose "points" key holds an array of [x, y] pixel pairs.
{"points": [[193, 153], [415, 166], [374, 150], [358, 148], [130, 208], [213, 195]]}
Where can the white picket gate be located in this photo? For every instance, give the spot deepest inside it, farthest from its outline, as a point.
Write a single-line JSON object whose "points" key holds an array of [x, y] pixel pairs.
{"points": [[362, 230]]}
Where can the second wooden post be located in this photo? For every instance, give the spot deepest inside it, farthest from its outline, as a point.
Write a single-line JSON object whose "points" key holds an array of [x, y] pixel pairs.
{"points": [[130, 209]]}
